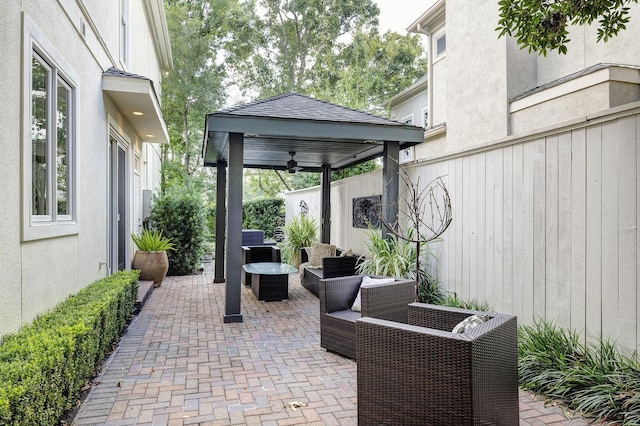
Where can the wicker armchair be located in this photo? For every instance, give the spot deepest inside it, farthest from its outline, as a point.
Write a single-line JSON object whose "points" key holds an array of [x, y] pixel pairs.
{"points": [[424, 374], [338, 321], [332, 267], [254, 254]]}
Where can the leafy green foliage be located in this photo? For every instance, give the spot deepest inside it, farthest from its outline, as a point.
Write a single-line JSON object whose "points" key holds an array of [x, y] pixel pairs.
{"points": [[260, 183], [195, 86], [368, 71], [180, 215], [43, 367], [266, 214], [288, 37], [152, 241], [301, 231], [542, 25], [595, 380], [454, 301]]}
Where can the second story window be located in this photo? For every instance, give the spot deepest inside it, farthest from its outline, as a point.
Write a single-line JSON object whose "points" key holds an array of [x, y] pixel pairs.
{"points": [[408, 119], [124, 31], [439, 44]]}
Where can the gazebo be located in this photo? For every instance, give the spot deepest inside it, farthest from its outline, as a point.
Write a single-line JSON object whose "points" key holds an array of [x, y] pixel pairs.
{"points": [[295, 133]]}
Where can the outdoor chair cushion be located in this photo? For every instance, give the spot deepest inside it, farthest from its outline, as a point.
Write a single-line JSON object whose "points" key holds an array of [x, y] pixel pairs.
{"points": [[368, 282], [320, 251]]}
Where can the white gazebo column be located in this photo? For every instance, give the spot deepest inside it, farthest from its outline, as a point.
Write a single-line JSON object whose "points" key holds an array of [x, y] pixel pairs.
{"points": [[325, 204]]}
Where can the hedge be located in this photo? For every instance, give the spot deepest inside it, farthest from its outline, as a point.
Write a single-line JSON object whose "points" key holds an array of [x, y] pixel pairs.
{"points": [[266, 214], [45, 364]]}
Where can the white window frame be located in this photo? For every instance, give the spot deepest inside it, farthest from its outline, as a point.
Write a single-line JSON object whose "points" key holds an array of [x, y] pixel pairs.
{"points": [[425, 123], [437, 35], [50, 225], [407, 119], [125, 33]]}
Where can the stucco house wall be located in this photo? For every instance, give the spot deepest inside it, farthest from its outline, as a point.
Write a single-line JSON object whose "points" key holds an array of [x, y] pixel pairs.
{"points": [[82, 38]]}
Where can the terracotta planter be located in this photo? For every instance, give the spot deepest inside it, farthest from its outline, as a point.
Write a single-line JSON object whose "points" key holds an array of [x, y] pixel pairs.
{"points": [[153, 265]]}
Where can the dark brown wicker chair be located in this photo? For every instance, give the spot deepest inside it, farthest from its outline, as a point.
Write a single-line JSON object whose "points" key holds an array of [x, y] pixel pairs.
{"points": [[253, 254], [332, 267], [338, 321], [424, 374]]}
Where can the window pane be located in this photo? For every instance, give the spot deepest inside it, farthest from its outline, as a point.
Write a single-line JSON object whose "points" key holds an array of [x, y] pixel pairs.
{"points": [[62, 156], [441, 45], [39, 88]]}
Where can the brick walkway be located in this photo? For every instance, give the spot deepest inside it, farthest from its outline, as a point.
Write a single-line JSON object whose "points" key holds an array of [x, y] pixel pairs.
{"points": [[179, 364]]}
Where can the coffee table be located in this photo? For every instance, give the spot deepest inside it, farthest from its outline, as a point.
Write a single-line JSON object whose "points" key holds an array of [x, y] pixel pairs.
{"points": [[270, 280]]}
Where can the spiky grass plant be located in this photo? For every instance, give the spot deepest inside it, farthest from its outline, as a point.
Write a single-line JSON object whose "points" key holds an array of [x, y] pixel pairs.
{"points": [[454, 301], [301, 231], [152, 241], [594, 379], [394, 257]]}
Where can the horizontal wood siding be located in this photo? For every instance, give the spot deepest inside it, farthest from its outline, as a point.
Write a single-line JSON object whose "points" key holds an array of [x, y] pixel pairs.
{"points": [[545, 227]]}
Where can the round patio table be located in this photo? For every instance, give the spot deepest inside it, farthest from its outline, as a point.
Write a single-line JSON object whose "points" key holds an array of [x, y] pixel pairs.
{"points": [[270, 280]]}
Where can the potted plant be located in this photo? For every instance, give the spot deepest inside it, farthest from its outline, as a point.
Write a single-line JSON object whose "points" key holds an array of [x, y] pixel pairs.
{"points": [[151, 257], [301, 231]]}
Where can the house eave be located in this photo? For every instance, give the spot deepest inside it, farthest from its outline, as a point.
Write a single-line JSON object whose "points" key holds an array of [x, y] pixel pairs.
{"points": [[137, 95], [429, 20], [154, 10]]}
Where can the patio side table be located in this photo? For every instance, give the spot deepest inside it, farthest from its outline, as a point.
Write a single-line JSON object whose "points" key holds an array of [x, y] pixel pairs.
{"points": [[270, 280]]}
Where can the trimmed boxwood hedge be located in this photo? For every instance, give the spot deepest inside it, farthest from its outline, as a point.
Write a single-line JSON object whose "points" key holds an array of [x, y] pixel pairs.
{"points": [[45, 364]]}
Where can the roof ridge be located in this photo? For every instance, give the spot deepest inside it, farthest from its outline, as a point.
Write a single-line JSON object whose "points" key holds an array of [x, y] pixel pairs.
{"points": [[240, 108]]}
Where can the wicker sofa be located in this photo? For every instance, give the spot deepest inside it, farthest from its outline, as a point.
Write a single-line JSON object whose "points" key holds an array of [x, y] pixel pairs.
{"points": [[253, 254], [338, 321], [422, 373], [332, 266]]}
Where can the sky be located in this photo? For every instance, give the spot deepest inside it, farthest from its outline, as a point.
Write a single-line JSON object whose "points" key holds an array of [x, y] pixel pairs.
{"points": [[397, 15]]}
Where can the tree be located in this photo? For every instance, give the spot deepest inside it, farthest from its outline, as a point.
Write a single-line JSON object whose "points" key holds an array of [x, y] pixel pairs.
{"points": [[369, 70], [288, 37], [198, 30], [542, 25]]}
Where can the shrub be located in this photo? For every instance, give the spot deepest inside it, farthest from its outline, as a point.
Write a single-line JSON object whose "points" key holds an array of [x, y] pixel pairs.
{"points": [[43, 367], [266, 214], [595, 379], [180, 215]]}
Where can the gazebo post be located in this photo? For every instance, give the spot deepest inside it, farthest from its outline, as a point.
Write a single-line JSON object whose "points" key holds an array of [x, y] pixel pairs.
{"points": [[221, 220], [325, 204], [390, 183], [234, 230]]}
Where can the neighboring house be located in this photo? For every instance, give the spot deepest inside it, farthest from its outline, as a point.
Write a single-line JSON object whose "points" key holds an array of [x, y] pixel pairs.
{"points": [[81, 124], [540, 156]]}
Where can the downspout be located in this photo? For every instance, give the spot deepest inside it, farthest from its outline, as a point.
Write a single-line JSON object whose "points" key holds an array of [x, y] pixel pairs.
{"points": [[429, 72]]}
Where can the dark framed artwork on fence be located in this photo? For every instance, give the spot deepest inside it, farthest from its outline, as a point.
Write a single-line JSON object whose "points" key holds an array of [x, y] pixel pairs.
{"points": [[365, 212]]}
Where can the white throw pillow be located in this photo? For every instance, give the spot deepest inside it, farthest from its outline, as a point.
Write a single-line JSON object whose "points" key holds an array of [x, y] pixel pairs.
{"points": [[320, 251], [470, 322], [368, 282], [346, 253]]}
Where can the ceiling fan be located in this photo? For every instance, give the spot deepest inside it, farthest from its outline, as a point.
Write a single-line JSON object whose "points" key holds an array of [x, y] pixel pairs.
{"points": [[292, 165]]}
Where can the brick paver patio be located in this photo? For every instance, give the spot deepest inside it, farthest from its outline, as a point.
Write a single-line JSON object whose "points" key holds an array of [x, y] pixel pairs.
{"points": [[179, 364]]}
